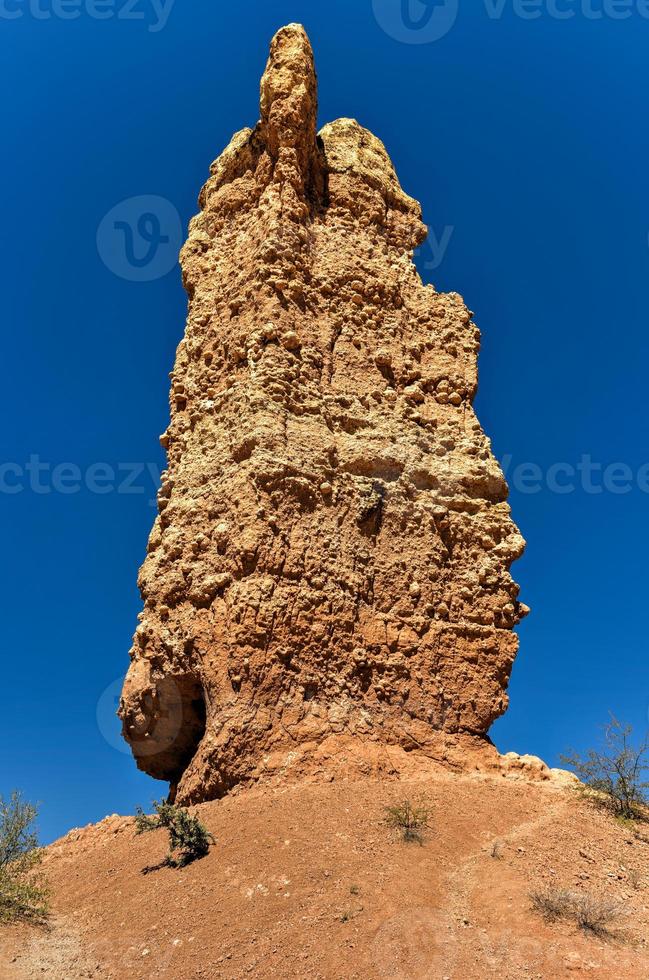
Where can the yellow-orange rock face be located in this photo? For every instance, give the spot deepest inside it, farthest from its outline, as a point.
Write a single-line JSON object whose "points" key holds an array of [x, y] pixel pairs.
{"points": [[333, 546]]}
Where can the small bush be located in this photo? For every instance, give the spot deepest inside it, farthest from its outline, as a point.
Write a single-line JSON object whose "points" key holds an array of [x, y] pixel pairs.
{"points": [[635, 879], [410, 820], [592, 914], [596, 915], [614, 775], [23, 891], [189, 839], [552, 903]]}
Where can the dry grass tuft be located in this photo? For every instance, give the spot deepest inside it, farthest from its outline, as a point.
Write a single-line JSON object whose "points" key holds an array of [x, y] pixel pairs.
{"points": [[591, 913]]}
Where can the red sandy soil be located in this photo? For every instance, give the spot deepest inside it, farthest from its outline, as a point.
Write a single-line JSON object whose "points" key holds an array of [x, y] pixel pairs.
{"points": [[306, 880]]}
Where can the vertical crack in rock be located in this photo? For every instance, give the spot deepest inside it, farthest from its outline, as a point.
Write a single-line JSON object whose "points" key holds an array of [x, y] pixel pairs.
{"points": [[332, 551]]}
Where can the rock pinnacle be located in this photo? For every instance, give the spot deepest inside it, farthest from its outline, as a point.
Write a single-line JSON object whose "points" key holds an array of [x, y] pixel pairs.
{"points": [[329, 568]]}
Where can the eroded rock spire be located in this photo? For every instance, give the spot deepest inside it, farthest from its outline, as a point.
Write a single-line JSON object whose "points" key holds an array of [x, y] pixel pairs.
{"points": [[331, 558], [289, 99]]}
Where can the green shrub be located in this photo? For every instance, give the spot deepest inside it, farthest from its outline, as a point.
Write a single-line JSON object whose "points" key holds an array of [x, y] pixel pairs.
{"points": [[410, 820], [189, 839], [614, 774], [23, 891]]}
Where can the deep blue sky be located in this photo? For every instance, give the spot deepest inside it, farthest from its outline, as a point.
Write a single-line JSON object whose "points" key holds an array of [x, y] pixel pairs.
{"points": [[527, 138]]}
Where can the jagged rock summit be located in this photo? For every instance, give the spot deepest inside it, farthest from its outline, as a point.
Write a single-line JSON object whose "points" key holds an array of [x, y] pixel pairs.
{"points": [[331, 557]]}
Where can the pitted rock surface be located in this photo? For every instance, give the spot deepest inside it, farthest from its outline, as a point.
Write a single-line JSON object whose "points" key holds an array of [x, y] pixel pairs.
{"points": [[332, 551]]}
